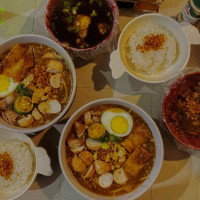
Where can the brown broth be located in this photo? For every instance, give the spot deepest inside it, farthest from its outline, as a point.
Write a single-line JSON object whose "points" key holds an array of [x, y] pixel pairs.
{"points": [[60, 27], [133, 182], [63, 94]]}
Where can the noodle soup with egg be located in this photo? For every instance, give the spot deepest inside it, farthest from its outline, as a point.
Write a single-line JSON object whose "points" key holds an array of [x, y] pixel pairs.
{"points": [[110, 150], [36, 85]]}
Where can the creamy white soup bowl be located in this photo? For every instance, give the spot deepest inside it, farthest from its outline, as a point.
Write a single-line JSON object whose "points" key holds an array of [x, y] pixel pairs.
{"points": [[31, 38], [41, 159], [120, 63], [158, 159]]}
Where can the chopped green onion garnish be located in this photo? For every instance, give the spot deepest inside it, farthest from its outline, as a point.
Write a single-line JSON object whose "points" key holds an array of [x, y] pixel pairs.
{"points": [[1, 9], [75, 8], [95, 156], [104, 145], [77, 30], [65, 10], [100, 3], [114, 138], [67, 3], [53, 26], [79, 3], [70, 29], [93, 14], [74, 12], [69, 19]]}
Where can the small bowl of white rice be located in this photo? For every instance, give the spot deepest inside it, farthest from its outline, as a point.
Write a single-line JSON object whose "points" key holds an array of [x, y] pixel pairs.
{"points": [[152, 48], [20, 162]]}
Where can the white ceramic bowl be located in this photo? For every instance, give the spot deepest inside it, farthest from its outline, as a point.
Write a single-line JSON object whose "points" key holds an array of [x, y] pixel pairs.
{"points": [[42, 161], [154, 172], [30, 38], [119, 62]]}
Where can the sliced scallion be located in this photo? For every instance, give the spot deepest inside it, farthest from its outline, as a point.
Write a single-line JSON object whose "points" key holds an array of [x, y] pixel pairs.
{"points": [[53, 26], [70, 29], [77, 30], [74, 12], [93, 14], [65, 10], [75, 8], [79, 3], [69, 19], [67, 3], [100, 3]]}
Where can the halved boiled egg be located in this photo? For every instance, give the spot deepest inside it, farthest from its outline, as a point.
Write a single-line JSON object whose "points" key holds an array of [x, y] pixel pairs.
{"points": [[117, 122], [7, 85]]}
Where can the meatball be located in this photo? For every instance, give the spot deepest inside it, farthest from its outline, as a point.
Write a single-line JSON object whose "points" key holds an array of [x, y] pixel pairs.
{"points": [[78, 165], [86, 157]]}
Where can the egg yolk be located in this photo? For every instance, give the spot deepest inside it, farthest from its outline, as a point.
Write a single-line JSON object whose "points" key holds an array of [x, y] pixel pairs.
{"points": [[4, 83], [119, 124]]}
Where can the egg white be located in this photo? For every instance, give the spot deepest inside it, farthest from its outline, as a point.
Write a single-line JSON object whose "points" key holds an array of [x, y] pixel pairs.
{"points": [[11, 88], [107, 117]]}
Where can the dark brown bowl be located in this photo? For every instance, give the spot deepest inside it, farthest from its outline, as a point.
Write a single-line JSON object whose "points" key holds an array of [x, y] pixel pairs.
{"points": [[106, 45], [180, 86]]}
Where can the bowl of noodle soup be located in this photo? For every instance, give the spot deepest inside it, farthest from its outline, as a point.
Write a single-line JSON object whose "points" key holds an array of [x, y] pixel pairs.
{"points": [[84, 160]]}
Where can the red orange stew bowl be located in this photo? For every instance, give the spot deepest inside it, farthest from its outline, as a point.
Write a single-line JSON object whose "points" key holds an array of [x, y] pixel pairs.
{"points": [[177, 116]]}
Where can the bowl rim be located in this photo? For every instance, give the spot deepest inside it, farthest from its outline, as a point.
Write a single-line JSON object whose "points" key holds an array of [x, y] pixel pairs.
{"points": [[71, 66], [176, 82], [115, 12], [165, 18], [137, 109], [33, 149]]}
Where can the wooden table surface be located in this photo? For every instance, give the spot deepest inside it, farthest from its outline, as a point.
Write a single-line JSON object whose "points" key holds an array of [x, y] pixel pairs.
{"points": [[180, 174]]}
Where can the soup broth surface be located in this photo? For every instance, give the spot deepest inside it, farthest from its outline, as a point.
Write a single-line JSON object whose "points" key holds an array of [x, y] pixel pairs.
{"points": [[81, 24], [37, 84], [136, 163]]}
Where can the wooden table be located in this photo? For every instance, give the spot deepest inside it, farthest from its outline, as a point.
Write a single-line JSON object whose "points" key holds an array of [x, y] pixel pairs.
{"points": [[180, 174]]}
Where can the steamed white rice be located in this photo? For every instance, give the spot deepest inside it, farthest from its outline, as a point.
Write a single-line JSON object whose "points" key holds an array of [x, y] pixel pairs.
{"points": [[152, 61], [23, 161]]}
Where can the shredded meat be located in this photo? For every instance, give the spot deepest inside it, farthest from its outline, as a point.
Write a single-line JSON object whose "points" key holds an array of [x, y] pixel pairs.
{"points": [[3, 104], [10, 116]]}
